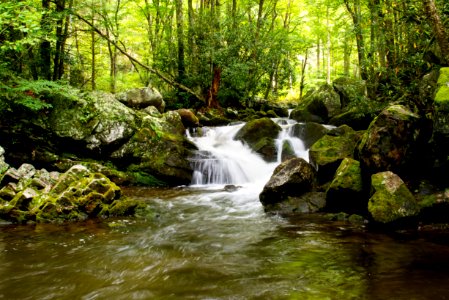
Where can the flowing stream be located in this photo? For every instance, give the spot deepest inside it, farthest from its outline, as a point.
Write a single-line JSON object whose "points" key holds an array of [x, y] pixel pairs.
{"points": [[212, 240]]}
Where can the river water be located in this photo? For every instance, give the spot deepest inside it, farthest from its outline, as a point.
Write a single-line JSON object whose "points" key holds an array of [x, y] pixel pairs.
{"points": [[214, 241]]}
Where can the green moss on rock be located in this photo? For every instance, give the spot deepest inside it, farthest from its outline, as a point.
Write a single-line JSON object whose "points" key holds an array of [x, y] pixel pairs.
{"points": [[392, 200]]}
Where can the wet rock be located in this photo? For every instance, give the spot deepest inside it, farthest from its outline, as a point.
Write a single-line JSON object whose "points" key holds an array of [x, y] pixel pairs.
{"points": [[392, 200], [287, 151], [3, 165], [345, 192], [327, 153], [389, 142], [310, 202], [292, 178], [260, 135], [309, 132], [188, 118]]}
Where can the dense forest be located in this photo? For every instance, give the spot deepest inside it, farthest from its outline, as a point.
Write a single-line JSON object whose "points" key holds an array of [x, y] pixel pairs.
{"points": [[228, 52]]}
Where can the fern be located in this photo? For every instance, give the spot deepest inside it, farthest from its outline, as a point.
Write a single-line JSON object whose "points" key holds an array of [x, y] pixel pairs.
{"points": [[34, 95]]}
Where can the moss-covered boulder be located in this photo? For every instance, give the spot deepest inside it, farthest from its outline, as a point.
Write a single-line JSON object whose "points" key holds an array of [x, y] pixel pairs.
{"points": [[390, 141], [345, 193], [318, 106], [96, 121], [159, 150], [260, 135], [349, 89], [41, 196], [309, 132], [82, 127], [434, 206], [188, 118], [292, 178], [391, 200], [327, 153], [142, 97], [287, 151]]}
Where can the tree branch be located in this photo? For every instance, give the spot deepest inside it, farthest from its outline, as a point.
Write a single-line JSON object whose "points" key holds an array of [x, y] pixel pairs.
{"points": [[161, 75]]}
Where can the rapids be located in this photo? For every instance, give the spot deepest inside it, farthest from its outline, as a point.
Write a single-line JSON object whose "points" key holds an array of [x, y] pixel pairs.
{"points": [[214, 241]]}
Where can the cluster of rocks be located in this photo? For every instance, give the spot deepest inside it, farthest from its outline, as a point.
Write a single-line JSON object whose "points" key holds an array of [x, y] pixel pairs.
{"points": [[31, 195], [380, 173]]}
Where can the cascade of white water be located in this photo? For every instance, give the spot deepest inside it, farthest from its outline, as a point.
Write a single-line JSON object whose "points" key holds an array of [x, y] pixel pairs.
{"points": [[223, 160]]}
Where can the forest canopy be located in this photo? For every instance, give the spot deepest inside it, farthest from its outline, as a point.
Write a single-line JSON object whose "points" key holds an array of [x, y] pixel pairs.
{"points": [[198, 52]]}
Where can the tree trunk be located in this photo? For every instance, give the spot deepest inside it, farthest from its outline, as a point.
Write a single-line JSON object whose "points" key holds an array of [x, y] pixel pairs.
{"points": [[438, 28], [45, 46], [356, 18], [180, 38], [212, 100]]}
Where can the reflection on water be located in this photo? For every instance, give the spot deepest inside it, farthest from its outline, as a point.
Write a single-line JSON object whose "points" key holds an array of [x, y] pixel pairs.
{"points": [[212, 244]]}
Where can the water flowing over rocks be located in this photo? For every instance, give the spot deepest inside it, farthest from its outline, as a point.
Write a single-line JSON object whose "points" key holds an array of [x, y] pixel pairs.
{"points": [[260, 136]]}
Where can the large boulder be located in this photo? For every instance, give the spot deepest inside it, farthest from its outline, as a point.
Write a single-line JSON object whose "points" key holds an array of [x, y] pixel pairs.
{"points": [[142, 97], [148, 145], [292, 178], [350, 90], [188, 118], [260, 136], [96, 121], [327, 153], [345, 193], [389, 142], [318, 106], [391, 201], [158, 149]]}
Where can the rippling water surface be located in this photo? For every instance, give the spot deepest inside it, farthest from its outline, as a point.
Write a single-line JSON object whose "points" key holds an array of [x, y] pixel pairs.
{"points": [[213, 244]]}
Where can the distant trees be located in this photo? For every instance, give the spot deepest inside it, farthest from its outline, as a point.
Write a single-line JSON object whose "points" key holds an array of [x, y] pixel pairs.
{"points": [[222, 52]]}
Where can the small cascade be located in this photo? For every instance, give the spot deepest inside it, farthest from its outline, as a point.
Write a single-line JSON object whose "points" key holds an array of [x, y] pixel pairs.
{"points": [[287, 136], [223, 160]]}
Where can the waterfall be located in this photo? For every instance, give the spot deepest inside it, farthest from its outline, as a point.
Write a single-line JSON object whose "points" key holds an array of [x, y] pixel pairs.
{"points": [[223, 160]]}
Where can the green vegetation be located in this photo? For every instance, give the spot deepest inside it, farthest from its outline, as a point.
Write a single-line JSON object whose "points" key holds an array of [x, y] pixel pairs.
{"points": [[217, 53]]}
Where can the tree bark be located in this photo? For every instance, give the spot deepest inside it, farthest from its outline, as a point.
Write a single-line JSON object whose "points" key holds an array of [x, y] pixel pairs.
{"points": [[438, 28]]}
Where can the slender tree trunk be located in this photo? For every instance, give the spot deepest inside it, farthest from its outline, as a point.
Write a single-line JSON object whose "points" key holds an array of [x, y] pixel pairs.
{"points": [[45, 46], [355, 13], [92, 36], [303, 74], [60, 40], [438, 28], [180, 38]]}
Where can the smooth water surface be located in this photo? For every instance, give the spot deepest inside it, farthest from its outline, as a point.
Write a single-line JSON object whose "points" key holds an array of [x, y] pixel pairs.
{"points": [[207, 243]]}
